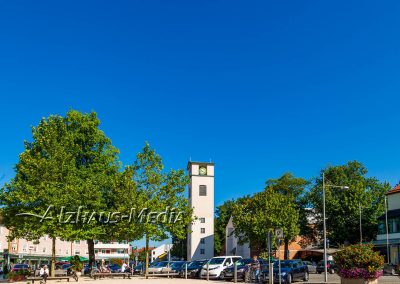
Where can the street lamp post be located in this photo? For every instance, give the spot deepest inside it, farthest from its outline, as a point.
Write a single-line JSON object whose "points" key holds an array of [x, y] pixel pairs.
{"points": [[324, 221], [361, 236]]}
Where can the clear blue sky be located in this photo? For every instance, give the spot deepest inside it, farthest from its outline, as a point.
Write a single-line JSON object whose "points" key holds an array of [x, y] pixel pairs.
{"points": [[259, 87]]}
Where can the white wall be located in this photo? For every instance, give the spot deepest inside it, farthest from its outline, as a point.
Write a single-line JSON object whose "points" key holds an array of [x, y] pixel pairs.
{"points": [[203, 207]]}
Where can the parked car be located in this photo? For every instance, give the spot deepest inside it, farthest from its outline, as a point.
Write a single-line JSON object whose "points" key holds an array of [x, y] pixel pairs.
{"points": [[157, 267], [243, 270], [331, 267], [193, 268], [114, 268], [173, 267], [291, 271], [312, 268], [20, 266], [138, 269], [216, 265]]}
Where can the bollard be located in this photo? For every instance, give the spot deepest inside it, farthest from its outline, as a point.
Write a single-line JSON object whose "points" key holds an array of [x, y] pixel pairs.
{"points": [[208, 272], [235, 273], [186, 270]]}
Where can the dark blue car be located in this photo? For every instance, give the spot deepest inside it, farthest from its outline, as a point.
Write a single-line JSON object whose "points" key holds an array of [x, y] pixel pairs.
{"points": [[291, 271]]}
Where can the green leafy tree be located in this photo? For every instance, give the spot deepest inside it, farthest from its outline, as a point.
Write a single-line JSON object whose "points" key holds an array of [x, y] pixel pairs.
{"points": [[179, 247], [342, 205], [69, 164], [222, 216], [162, 191], [295, 189], [263, 212]]}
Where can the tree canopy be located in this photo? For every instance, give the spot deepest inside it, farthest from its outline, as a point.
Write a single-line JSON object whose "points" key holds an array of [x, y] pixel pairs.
{"points": [[342, 205]]}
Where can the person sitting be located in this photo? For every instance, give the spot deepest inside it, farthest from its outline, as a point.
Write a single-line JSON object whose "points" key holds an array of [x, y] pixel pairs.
{"points": [[44, 273]]}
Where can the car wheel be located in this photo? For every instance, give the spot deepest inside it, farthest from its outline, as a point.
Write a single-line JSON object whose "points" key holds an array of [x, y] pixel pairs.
{"points": [[306, 276], [289, 279]]}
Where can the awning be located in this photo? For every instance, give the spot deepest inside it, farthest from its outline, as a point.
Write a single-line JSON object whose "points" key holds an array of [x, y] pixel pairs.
{"points": [[321, 251], [69, 258], [383, 242]]}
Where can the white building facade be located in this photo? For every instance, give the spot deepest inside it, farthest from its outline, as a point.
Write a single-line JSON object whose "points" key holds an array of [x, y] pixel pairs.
{"points": [[232, 246], [393, 224], [160, 251], [111, 250], [200, 242]]}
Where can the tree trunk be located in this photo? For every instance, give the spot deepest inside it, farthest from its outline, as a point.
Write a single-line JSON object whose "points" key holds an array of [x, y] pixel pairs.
{"points": [[53, 257], [92, 257], [286, 253], [147, 256]]}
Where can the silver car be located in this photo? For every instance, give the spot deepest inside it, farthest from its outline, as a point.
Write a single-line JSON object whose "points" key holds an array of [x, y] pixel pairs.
{"points": [[312, 268]]}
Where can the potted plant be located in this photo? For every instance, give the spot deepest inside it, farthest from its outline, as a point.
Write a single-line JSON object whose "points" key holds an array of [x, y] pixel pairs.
{"points": [[77, 265], [359, 264]]}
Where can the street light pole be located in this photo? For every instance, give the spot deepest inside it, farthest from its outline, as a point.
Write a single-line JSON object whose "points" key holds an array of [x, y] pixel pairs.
{"points": [[324, 221], [361, 236], [387, 231]]}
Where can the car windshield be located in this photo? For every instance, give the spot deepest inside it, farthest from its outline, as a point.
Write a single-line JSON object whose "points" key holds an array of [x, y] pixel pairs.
{"points": [[217, 260], [162, 264], [176, 265], [244, 261], [196, 263], [284, 264]]}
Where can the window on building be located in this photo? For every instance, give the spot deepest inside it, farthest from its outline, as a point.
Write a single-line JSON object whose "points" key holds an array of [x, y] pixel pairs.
{"points": [[203, 190], [203, 241], [96, 251], [44, 249], [202, 230], [202, 220], [103, 251], [202, 251], [67, 252], [77, 242], [77, 252]]}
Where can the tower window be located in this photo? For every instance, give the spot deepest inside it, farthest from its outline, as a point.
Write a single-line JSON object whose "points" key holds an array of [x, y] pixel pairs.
{"points": [[202, 230], [203, 241], [202, 220], [203, 190], [202, 251]]}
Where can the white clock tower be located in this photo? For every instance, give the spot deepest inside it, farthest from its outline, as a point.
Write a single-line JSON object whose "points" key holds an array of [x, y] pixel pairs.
{"points": [[200, 242]]}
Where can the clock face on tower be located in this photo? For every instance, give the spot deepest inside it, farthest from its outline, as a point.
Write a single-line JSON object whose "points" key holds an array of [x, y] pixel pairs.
{"points": [[203, 170]]}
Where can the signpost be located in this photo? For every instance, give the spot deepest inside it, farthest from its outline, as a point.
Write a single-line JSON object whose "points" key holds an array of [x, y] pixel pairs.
{"points": [[279, 237]]}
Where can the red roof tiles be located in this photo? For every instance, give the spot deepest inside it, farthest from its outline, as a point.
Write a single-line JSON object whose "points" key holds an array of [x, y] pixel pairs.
{"points": [[396, 189]]}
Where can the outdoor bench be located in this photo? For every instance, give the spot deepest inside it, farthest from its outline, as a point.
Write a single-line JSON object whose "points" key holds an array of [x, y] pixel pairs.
{"points": [[105, 274], [33, 279]]}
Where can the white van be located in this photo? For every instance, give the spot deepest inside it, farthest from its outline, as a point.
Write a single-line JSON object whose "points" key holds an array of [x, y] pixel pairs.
{"points": [[216, 265]]}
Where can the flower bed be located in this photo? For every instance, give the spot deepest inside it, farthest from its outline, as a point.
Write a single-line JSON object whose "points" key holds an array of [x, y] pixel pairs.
{"points": [[359, 262]]}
